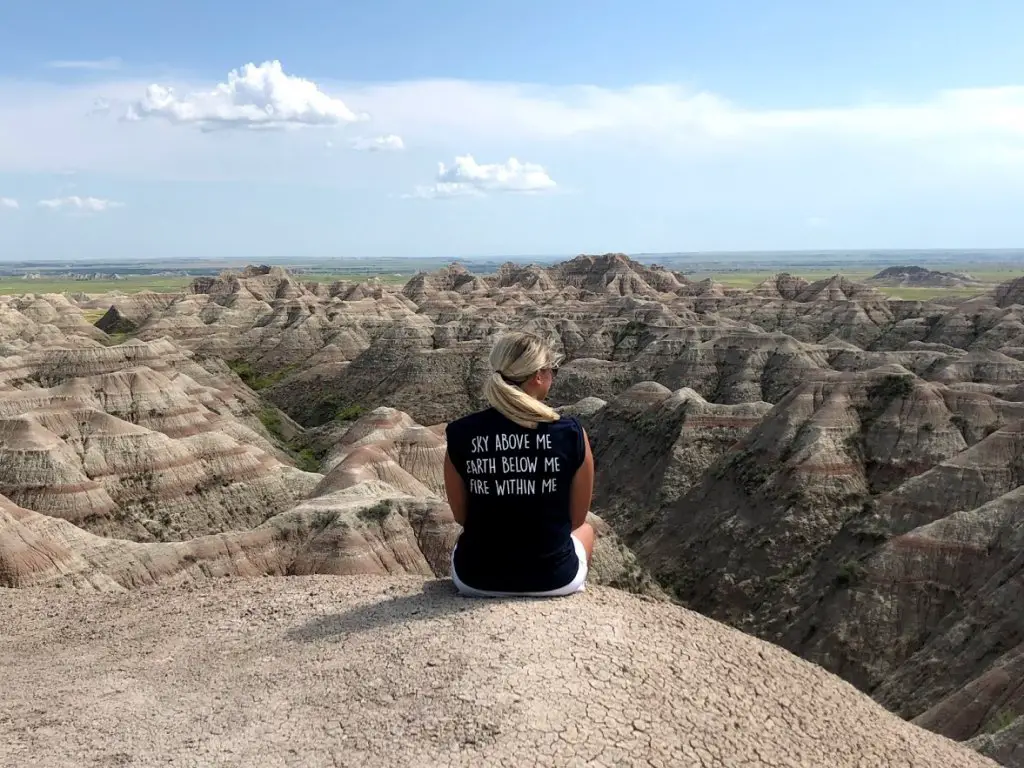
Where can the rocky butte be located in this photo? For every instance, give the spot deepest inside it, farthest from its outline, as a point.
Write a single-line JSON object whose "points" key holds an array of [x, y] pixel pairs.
{"points": [[809, 497]]}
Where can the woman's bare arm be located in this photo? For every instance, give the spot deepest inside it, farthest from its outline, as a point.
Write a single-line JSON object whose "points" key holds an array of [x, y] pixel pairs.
{"points": [[582, 490], [456, 490]]}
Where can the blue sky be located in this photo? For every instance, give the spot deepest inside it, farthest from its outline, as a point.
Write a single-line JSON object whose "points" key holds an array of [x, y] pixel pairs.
{"points": [[468, 128]]}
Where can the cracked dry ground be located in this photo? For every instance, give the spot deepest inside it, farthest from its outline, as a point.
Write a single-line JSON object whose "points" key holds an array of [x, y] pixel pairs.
{"points": [[370, 671]]}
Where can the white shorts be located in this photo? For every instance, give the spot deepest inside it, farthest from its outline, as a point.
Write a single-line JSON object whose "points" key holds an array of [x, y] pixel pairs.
{"points": [[578, 584]]}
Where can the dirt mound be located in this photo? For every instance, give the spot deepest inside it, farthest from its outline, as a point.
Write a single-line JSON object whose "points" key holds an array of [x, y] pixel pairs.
{"points": [[380, 672]]}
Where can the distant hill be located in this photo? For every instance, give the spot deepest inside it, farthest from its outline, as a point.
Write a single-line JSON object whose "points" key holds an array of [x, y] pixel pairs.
{"points": [[914, 276]]}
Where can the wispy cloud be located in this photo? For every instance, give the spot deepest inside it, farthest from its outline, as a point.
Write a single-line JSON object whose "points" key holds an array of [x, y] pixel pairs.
{"points": [[9, 203], [260, 96], [107, 64], [389, 143], [677, 116], [468, 177], [76, 203]]}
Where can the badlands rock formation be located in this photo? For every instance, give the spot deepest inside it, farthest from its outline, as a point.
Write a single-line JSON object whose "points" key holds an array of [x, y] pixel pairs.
{"points": [[813, 463], [140, 463], [372, 672]]}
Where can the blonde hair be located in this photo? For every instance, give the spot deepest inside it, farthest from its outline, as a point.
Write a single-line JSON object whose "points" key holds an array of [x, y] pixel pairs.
{"points": [[514, 358]]}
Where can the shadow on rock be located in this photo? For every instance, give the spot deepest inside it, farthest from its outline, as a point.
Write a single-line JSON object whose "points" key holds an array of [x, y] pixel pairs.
{"points": [[438, 599]]}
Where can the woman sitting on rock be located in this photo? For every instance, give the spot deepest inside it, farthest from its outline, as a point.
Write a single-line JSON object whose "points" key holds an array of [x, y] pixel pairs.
{"points": [[519, 479]]}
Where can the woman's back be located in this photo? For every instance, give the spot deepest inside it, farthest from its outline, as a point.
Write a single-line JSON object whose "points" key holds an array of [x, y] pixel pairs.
{"points": [[518, 482]]}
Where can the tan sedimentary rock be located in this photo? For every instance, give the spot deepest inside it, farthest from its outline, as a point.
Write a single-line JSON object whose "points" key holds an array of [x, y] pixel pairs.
{"points": [[378, 672], [830, 469], [344, 534]]}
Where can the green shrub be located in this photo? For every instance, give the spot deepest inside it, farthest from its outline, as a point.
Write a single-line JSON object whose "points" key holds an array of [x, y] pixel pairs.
{"points": [[255, 380], [114, 339], [378, 513], [349, 412], [307, 460], [891, 388], [271, 419], [243, 369], [1003, 719]]}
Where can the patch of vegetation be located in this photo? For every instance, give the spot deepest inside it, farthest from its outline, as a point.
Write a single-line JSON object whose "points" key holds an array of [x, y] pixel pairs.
{"points": [[255, 380], [1003, 719], [158, 284], [271, 419], [92, 315], [322, 411], [884, 393], [851, 573], [891, 388], [378, 513], [307, 460], [349, 412], [243, 369], [113, 339]]}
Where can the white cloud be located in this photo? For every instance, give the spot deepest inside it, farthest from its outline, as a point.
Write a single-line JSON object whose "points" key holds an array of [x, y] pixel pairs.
{"points": [[388, 143], [9, 203], [76, 203], [256, 97], [815, 222], [109, 63], [468, 177], [976, 135]]}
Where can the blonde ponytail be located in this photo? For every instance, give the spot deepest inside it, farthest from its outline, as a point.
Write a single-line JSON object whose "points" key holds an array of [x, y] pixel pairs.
{"points": [[514, 358]]}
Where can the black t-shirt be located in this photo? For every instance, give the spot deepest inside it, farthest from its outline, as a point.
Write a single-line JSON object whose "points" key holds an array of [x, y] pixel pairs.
{"points": [[517, 532]]}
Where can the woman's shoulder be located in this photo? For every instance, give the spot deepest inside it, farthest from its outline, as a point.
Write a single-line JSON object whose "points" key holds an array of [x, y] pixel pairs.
{"points": [[569, 426], [567, 422]]}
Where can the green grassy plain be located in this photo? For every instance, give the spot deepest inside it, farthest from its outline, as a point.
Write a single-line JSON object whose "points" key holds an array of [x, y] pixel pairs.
{"points": [[16, 285]]}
